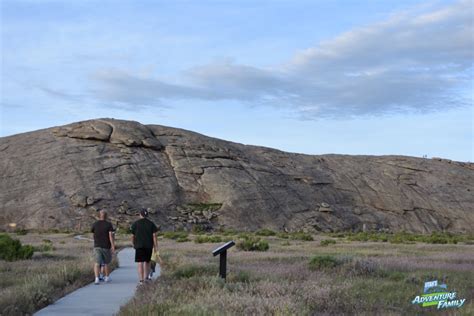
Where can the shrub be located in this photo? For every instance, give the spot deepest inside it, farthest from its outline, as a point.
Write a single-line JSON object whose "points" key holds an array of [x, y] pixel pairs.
{"points": [[45, 247], [207, 238], [21, 232], [265, 232], [301, 236], [253, 244], [240, 276], [176, 235], [408, 238], [198, 229], [283, 235], [228, 232], [11, 249], [182, 239], [323, 262], [327, 242]]}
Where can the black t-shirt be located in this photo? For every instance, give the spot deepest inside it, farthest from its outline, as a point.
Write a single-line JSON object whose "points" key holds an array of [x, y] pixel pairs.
{"points": [[101, 231], [143, 230]]}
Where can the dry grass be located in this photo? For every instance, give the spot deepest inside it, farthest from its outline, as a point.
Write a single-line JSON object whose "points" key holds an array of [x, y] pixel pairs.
{"points": [[370, 278], [64, 265]]}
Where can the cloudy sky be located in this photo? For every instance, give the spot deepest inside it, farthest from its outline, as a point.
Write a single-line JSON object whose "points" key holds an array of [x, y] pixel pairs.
{"points": [[327, 76]]}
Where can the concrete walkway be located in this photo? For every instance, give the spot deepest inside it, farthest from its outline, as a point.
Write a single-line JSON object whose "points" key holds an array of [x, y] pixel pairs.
{"points": [[103, 299]]}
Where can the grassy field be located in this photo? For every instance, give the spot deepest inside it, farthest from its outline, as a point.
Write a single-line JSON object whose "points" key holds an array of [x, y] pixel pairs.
{"points": [[59, 265], [328, 275], [292, 274]]}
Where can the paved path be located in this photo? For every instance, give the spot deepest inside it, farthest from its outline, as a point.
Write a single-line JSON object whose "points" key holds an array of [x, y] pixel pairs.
{"points": [[103, 299]]}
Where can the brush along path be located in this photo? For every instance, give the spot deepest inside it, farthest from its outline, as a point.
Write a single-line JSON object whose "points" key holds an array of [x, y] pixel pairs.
{"points": [[103, 299]]}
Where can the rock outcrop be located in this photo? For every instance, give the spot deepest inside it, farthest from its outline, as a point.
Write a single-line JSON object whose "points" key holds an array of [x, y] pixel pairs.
{"points": [[60, 177]]}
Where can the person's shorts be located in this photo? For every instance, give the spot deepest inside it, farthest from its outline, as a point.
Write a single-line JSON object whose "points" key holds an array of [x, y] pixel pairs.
{"points": [[143, 254], [102, 255]]}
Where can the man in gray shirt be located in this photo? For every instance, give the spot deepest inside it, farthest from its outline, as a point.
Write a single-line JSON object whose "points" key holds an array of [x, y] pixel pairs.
{"points": [[104, 245]]}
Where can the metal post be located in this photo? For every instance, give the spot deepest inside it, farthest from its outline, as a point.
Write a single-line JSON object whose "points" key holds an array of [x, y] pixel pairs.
{"points": [[222, 251], [223, 264]]}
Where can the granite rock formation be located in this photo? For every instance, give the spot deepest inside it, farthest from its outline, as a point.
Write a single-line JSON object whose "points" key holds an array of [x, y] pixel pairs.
{"points": [[59, 178]]}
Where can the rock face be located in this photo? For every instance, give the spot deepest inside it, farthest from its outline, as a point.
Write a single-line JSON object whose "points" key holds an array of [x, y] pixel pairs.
{"points": [[60, 177]]}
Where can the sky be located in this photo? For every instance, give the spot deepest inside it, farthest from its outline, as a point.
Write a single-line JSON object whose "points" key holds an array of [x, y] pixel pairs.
{"points": [[392, 77]]}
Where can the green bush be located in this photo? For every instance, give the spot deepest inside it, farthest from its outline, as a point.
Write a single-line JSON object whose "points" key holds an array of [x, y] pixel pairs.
{"points": [[301, 236], [283, 235], [182, 239], [323, 262], [21, 232], [45, 247], [11, 249], [207, 238], [252, 243], [176, 235], [198, 229], [408, 238], [327, 242], [265, 232]]}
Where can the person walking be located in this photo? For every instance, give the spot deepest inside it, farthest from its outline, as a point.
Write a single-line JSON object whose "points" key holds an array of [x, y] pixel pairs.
{"points": [[104, 245], [144, 241]]}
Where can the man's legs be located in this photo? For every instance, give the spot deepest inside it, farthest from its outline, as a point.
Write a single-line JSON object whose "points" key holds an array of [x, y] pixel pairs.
{"points": [[96, 269], [98, 259], [140, 271], [146, 273]]}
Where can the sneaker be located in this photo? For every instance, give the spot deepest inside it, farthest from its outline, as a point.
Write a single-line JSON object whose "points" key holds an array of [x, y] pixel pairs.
{"points": [[140, 283], [107, 279], [96, 281]]}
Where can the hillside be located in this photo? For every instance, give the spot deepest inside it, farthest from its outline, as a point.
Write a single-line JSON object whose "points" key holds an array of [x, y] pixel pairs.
{"points": [[59, 177]]}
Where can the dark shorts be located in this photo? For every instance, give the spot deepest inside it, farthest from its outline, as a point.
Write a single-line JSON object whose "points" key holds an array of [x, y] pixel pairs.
{"points": [[102, 255], [143, 254]]}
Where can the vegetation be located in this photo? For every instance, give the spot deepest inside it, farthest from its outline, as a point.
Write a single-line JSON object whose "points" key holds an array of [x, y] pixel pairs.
{"points": [[251, 243], [265, 232], [302, 278], [181, 235], [63, 265], [207, 238], [182, 239], [407, 238], [327, 242], [323, 262], [12, 249], [301, 236], [21, 232]]}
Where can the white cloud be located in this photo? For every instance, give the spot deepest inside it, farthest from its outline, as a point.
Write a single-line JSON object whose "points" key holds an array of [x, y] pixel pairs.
{"points": [[414, 61]]}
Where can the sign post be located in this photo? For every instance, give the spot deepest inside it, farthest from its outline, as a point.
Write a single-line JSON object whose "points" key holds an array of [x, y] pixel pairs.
{"points": [[222, 251]]}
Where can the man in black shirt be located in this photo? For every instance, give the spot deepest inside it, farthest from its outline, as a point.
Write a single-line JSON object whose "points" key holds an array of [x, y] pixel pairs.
{"points": [[104, 245], [144, 241]]}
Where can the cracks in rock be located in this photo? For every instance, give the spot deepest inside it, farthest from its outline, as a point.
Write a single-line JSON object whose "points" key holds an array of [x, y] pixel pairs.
{"points": [[114, 167], [104, 183], [4, 148], [403, 167], [170, 163]]}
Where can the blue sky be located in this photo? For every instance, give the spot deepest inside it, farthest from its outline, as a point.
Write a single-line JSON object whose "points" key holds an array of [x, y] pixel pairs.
{"points": [[316, 77]]}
